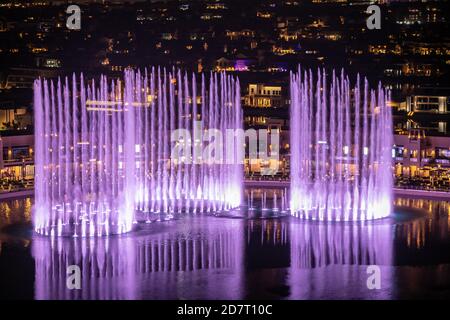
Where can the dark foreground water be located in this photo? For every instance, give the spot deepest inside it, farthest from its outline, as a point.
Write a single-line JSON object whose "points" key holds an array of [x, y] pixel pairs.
{"points": [[204, 257]]}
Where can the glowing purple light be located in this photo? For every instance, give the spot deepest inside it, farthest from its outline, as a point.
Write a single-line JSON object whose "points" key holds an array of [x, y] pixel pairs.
{"points": [[103, 151], [241, 65], [341, 140]]}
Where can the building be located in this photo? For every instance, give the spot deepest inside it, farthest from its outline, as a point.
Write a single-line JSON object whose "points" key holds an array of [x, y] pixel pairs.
{"points": [[423, 158], [240, 63], [275, 162], [432, 104], [261, 95], [16, 163], [15, 111], [24, 77]]}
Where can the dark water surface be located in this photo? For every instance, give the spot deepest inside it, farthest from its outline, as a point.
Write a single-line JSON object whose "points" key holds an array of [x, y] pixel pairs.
{"points": [[206, 257]]}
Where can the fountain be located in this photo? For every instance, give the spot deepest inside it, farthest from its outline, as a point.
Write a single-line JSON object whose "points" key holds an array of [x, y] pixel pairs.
{"points": [[120, 151], [341, 140], [264, 203]]}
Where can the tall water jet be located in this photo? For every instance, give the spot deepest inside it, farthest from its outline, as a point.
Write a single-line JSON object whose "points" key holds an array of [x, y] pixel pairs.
{"points": [[105, 151], [189, 138], [341, 142]]}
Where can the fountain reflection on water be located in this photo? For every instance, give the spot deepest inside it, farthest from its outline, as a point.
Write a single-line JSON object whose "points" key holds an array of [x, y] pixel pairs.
{"points": [[215, 258], [166, 264], [297, 259]]}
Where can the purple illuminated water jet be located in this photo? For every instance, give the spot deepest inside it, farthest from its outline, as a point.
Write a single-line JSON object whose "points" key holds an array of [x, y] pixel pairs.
{"points": [[103, 150], [341, 141]]}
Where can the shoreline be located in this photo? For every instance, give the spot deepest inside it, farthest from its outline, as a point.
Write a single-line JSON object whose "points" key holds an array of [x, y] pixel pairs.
{"points": [[416, 193]]}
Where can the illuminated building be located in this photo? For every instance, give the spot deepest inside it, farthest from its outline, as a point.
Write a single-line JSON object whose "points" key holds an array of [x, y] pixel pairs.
{"points": [[434, 104], [418, 155], [265, 96]]}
